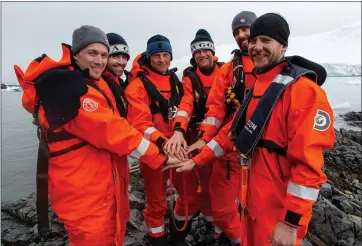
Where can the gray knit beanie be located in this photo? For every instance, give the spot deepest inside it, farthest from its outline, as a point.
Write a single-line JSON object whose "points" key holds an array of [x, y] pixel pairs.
{"points": [[86, 35], [243, 19]]}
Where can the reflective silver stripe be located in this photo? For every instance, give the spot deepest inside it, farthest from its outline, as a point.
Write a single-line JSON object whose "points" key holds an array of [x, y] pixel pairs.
{"points": [[215, 147], [184, 114], [182, 218], [156, 229], [212, 121], [302, 191], [235, 240], [218, 230], [209, 218], [237, 201], [142, 147], [283, 79], [148, 132]]}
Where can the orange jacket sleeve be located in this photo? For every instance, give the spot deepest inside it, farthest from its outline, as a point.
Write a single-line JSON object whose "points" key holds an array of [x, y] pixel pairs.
{"points": [[103, 129], [219, 146], [310, 132], [215, 105], [139, 114], [186, 107]]}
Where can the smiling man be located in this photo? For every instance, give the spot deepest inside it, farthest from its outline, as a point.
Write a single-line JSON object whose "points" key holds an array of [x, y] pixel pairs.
{"points": [[281, 130], [153, 98], [197, 82], [117, 59], [231, 84], [84, 141]]}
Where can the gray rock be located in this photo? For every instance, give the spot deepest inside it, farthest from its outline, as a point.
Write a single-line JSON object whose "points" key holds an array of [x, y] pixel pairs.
{"points": [[352, 116], [305, 242], [331, 225], [326, 190], [348, 242], [343, 204], [358, 197]]}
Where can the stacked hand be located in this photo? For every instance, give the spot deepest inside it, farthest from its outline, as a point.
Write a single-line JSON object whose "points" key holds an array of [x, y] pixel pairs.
{"points": [[176, 146], [179, 153]]}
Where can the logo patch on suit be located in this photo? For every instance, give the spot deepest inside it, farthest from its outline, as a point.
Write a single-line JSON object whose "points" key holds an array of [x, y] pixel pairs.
{"points": [[89, 105], [322, 121]]}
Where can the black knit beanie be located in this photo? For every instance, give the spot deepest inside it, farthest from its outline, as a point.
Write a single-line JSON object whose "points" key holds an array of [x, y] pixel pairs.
{"points": [[202, 41], [271, 25], [117, 44]]}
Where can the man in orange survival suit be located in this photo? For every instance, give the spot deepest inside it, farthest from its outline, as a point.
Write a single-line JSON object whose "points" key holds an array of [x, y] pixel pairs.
{"points": [[234, 80], [117, 61], [87, 138], [197, 82], [152, 96], [285, 163]]}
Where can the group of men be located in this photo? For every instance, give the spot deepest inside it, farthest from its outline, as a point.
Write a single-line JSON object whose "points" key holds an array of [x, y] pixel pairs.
{"points": [[254, 128]]}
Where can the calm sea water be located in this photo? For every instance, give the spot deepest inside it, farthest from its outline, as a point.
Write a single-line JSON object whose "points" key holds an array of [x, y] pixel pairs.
{"points": [[19, 143]]}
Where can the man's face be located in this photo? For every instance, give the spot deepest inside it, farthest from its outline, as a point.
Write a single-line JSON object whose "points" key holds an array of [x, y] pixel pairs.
{"points": [[265, 51], [204, 58], [94, 57], [241, 36], [116, 63], [160, 61]]}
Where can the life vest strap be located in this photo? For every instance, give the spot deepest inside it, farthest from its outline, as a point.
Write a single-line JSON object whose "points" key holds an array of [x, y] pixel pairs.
{"points": [[46, 136], [52, 137], [42, 185], [272, 147]]}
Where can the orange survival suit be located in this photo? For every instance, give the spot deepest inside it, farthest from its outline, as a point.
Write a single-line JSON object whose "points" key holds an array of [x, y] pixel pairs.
{"points": [[190, 114], [151, 96], [284, 155], [234, 80], [87, 143]]}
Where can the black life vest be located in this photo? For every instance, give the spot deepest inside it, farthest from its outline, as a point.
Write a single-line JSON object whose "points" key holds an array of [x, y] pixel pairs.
{"points": [[199, 94], [118, 93], [159, 104], [239, 79]]}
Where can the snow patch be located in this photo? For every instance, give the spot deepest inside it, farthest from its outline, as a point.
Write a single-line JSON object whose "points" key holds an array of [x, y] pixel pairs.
{"points": [[343, 105]]}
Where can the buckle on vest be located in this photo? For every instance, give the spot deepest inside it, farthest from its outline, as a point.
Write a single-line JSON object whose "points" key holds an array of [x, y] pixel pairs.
{"points": [[244, 160], [172, 109]]}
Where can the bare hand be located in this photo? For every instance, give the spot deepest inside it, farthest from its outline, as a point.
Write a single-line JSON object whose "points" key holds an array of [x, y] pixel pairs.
{"points": [[283, 235], [176, 145], [198, 145], [181, 167], [173, 160]]}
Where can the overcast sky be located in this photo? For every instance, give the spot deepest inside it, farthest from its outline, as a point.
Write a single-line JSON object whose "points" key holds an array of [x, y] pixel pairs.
{"points": [[30, 29]]}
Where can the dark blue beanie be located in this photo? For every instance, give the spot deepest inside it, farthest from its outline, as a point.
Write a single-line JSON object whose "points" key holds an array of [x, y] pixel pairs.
{"points": [[158, 43]]}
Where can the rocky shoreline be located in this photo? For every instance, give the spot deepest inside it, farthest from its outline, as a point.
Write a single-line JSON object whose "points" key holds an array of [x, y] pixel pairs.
{"points": [[336, 214]]}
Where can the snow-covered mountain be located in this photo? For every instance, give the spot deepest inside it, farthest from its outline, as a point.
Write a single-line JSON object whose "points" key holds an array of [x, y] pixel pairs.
{"points": [[339, 51], [334, 70]]}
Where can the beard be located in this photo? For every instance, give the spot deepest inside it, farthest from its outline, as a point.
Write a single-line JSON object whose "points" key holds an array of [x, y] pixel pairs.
{"points": [[243, 47], [115, 70]]}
